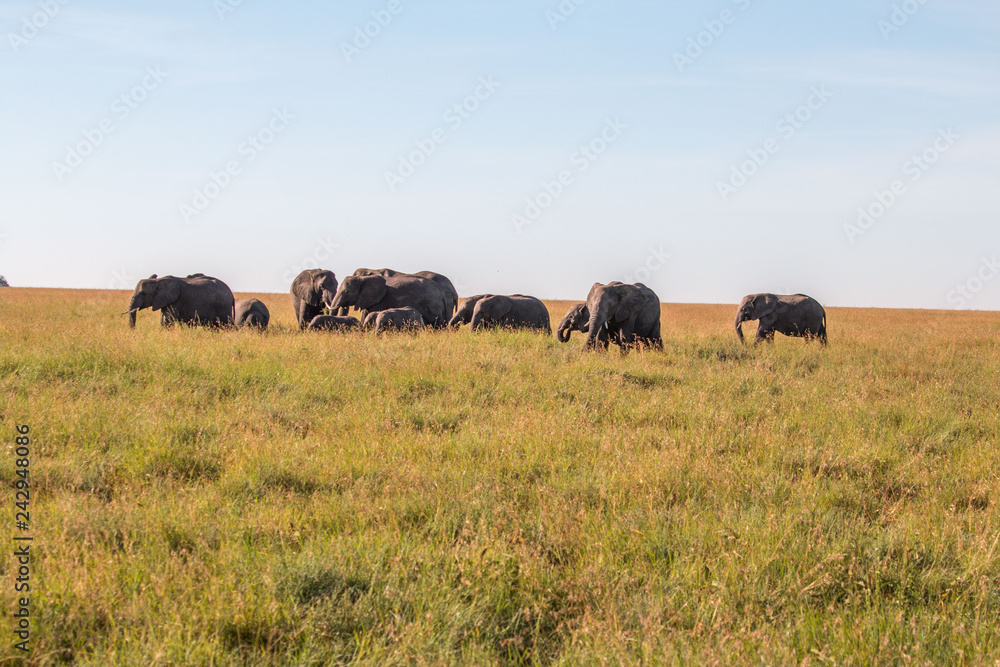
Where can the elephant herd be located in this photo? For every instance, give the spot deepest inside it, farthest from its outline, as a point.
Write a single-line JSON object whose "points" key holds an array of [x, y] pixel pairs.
{"points": [[626, 315]]}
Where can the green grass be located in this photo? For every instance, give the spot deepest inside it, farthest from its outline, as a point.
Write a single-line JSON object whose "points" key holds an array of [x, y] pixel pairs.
{"points": [[233, 498]]}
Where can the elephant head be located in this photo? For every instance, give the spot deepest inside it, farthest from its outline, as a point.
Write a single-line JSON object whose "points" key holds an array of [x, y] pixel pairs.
{"points": [[754, 307], [316, 287], [155, 293], [362, 292], [615, 305], [577, 319], [464, 313]]}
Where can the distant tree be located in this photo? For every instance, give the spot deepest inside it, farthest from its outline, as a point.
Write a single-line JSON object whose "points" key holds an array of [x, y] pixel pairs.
{"points": [[3, 282]]}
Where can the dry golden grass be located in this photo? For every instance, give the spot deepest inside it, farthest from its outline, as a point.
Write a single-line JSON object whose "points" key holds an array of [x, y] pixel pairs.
{"points": [[206, 497]]}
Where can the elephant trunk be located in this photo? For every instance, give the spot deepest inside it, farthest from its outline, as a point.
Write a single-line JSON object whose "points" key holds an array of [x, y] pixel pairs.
{"points": [[134, 304], [455, 321], [328, 299], [739, 328], [598, 318], [338, 303], [562, 333]]}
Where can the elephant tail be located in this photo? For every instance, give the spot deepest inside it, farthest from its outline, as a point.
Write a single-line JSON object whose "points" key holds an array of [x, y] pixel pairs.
{"points": [[822, 331]]}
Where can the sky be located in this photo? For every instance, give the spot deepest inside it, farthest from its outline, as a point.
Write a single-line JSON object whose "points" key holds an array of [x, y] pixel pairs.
{"points": [[848, 150]]}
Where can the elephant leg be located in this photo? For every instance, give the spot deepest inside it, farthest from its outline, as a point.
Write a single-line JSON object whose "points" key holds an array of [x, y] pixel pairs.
{"points": [[626, 337], [765, 329], [603, 338]]}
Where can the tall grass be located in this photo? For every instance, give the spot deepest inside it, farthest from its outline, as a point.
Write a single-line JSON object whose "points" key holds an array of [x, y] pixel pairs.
{"points": [[226, 498]]}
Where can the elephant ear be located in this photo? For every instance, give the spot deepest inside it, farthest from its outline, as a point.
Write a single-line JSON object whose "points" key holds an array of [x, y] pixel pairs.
{"points": [[764, 304], [629, 304], [373, 289], [167, 291], [302, 288]]}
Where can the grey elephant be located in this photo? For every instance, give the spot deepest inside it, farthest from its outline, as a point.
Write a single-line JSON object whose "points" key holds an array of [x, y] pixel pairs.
{"points": [[463, 315], [196, 299], [376, 293], [631, 313], [312, 291], [397, 319], [251, 313], [516, 311], [790, 314], [578, 319], [331, 323], [447, 288]]}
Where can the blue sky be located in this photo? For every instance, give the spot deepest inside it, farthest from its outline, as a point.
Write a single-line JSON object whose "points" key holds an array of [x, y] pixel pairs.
{"points": [[592, 142]]}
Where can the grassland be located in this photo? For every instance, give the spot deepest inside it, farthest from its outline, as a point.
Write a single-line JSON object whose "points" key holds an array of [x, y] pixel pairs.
{"points": [[298, 498]]}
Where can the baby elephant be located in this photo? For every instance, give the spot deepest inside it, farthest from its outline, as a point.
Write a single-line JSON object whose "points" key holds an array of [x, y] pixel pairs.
{"points": [[252, 313], [492, 310], [333, 323], [790, 314], [395, 319], [578, 319]]}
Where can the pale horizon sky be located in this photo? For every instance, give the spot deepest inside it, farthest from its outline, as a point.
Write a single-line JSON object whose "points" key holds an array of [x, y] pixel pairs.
{"points": [[248, 140]]}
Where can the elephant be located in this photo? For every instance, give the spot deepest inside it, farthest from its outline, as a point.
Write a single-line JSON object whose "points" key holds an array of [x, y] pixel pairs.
{"points": [[790, 314], [631, 313], [330, 323], [376, 293], [196, 299], [447, 288], [491, 310], [578, 319], [397, 319], [311, 291], [463, 315], [252, 313]]}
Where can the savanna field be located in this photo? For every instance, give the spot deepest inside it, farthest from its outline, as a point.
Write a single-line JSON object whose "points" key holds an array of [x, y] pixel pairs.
{"points": [[311, 498]]}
